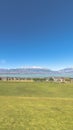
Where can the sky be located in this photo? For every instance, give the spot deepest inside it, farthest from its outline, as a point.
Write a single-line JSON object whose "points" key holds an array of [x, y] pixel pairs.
{"points": [[36, 33]]}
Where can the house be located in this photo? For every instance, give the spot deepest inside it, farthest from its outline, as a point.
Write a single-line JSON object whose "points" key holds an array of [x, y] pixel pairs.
{"points": [[59, 79]]}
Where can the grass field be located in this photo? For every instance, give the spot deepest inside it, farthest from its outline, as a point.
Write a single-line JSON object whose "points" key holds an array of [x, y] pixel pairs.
{"points": [[36, 106]]}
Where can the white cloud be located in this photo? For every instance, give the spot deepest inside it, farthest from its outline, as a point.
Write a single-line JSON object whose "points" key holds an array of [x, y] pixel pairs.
{"points": [[34, 67]]}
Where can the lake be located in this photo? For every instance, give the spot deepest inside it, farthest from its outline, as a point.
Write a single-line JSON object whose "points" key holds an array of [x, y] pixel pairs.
{"points": [[36, 75]]}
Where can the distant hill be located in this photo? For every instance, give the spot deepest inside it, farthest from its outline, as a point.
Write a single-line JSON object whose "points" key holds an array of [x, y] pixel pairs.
{"points": [[25, 70], [66, 70], [35, 71]]}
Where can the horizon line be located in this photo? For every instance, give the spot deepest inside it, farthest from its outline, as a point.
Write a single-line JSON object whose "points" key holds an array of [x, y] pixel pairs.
{"points": [[36, 67]]}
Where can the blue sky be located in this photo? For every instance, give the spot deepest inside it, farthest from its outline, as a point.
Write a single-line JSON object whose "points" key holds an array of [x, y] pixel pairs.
{"points": [[36, 33]]}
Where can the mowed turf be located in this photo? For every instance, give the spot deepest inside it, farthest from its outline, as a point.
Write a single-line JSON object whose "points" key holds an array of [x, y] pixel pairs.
{"points": [[36, 106]]}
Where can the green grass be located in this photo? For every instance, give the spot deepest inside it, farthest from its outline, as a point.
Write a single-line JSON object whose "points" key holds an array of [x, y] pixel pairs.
{"points": [[36, 106], [41, 89]]}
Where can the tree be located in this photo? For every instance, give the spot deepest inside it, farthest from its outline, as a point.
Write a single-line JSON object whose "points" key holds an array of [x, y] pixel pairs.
{"points": [[51, 79]]}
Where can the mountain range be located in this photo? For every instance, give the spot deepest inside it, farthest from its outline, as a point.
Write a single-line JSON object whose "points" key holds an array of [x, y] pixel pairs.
{"points": [[35, 71]]}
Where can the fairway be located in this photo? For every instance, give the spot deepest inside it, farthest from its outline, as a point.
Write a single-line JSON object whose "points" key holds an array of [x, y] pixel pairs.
{"points": [[36, 106]]}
